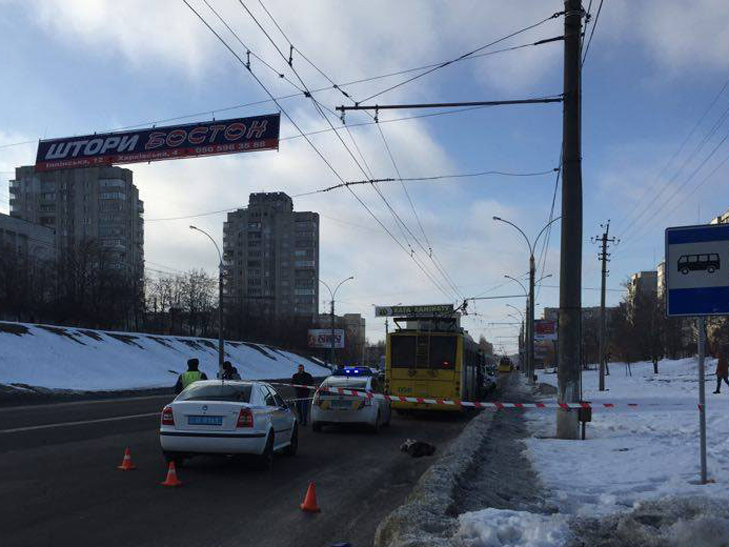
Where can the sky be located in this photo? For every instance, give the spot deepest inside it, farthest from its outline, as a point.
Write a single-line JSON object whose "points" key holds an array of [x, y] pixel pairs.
{"points": [[654, 120]]}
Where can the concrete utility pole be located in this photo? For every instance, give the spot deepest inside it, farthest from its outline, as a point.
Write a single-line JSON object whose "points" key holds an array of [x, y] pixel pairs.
{"points": [[333, 295], [603, 257], [221, 344], [570, 279]]}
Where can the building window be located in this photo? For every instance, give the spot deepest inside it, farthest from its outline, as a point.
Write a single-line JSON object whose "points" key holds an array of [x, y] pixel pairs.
{"points": [[112, 183], [112, 195]]}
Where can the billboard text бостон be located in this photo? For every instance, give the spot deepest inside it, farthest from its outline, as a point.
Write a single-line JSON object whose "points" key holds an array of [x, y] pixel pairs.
{"points": [[161, 143]]}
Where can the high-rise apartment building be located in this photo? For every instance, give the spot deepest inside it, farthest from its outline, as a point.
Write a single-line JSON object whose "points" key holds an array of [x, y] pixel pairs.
{"points": [[272, 258], [96, 203]]}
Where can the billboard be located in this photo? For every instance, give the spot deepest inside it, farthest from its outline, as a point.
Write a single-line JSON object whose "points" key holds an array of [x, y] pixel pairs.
{"points": [[322, 338], [545, 329], [430, 310], [160, 143]]}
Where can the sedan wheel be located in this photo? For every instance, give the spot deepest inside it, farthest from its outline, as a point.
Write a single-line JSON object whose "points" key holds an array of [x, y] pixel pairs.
{"points": [[377, 424], [267, 456], [291, 449]]}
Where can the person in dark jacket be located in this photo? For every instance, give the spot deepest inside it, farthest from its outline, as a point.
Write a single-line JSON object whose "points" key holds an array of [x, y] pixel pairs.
{"points": [[230, 372], [302, 378], [192, 374], [722, 369]]}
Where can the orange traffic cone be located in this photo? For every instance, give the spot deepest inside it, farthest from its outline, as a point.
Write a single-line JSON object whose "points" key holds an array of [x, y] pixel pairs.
{"points": [[171, 479], [309, 504], [127, 464]]}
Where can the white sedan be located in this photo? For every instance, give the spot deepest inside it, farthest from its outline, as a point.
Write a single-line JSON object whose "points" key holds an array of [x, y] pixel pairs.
{"points": [[228, 418], [331, 408]]}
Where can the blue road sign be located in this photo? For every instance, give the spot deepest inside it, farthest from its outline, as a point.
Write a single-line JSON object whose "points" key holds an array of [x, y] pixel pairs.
{"points": [[697, 270]]}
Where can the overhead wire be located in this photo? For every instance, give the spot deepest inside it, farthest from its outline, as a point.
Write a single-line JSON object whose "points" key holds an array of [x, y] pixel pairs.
{"points": [[592, 32], [300, 94], [426, 179], [396, 217], [311, 144], [429, 252], [463, 56], [651, 189]]}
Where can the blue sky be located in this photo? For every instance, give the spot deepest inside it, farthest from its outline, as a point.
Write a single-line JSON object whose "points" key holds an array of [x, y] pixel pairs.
{"points": [[74, 67]]}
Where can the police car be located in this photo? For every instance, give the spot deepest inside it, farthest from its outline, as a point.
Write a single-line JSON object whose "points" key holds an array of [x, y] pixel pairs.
{"points": [[228, 418], [331, 408]]}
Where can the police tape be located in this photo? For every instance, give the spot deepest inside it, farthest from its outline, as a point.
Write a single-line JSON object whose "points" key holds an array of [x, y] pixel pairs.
{"points": [[476, 404]]}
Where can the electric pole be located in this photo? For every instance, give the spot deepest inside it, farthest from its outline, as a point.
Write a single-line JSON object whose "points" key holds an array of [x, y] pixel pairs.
{"points": [[603, 257], [570, 279]]}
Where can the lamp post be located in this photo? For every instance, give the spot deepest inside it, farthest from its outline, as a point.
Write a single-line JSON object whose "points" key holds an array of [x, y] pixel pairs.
{"points": [[221, 348], [523, 332], [331, 312], [527, 358], [532, 270]]}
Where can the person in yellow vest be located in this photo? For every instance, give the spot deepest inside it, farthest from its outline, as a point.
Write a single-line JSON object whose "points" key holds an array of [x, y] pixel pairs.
{"points": [[192, 374]]}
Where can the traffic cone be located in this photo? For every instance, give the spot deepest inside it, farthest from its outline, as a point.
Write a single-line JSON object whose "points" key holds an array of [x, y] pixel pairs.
{"points": [[127, 464], [309, 504], [171, 479]]}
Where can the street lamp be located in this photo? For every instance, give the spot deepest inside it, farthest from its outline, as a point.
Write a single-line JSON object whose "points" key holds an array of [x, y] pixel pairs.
{"points": [[532, 269], [331, 311], [221, 349]]}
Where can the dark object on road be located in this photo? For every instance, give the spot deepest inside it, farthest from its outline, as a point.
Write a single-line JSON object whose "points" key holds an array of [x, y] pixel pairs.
{"points": [[417, 449]]}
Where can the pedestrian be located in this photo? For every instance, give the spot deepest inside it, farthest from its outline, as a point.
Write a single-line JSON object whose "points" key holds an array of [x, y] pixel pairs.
{"points": [[192, 374], [302, 378], [230, 372], [722, 369]]}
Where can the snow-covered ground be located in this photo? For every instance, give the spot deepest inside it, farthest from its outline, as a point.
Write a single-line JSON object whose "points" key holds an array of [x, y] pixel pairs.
{"points": [[631, 459], [636, 454], [85, 359]]}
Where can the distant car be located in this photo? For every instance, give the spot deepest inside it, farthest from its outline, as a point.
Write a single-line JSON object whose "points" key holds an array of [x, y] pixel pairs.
{"points": [[228, 418], [329, 408], [489, 379]]}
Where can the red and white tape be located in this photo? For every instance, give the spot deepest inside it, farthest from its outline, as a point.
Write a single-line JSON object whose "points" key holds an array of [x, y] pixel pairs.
{"points": [[472, 404]]}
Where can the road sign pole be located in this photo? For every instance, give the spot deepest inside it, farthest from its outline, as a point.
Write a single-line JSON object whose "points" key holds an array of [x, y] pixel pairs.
{"points": [[702, 394]]}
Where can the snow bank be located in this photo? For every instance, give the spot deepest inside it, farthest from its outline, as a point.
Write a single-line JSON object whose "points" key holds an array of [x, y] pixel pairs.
{"points": [[505, 528], [85, 359], [630, 456]]}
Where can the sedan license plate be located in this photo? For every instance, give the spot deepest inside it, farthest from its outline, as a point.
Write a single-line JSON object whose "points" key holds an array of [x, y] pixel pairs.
{"points": [[341, 404], [205, 420]]}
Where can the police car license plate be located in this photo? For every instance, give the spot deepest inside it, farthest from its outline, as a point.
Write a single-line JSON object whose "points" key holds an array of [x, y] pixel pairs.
{"points": [[205, 420], [340, 404]]}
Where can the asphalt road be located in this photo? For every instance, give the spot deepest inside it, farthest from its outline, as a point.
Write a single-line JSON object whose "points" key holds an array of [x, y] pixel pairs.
{"points": [[59, 484]]}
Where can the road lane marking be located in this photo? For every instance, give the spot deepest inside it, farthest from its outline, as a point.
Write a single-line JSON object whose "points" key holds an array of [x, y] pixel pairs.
{"points": [[83, 422], [88, 402]]}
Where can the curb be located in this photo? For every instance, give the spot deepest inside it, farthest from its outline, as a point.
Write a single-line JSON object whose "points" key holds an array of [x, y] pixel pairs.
{"points": [[27, 395], [425, 519]]}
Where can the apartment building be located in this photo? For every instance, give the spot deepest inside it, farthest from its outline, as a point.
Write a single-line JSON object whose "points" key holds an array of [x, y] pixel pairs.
{"points": [[272, 258], [96, 203]]}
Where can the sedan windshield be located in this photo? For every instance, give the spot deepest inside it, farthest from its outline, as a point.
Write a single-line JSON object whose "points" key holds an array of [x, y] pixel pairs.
{"points": [[238, 393]]}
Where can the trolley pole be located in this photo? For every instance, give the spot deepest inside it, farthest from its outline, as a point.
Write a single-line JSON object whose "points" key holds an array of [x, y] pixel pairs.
{"points": [[570, 279]]}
